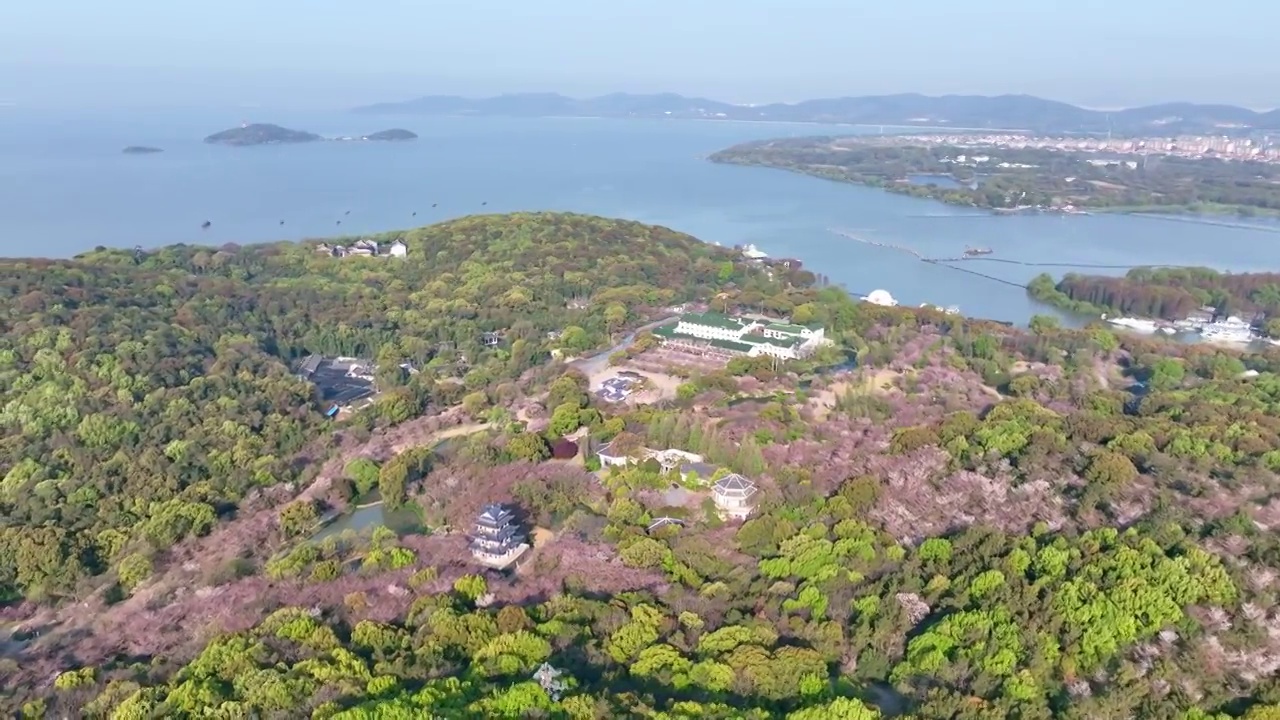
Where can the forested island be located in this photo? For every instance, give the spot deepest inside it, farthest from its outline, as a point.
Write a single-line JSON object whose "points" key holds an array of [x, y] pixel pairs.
{"points": [[141, 150], [1007, 179], [393, 135], [260, 134], [971, 522]]}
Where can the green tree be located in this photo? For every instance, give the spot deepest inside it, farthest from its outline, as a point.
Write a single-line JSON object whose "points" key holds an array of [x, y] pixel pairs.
{"points": [[133, 570], [564, 420], [1043, 324], [530, 447], [364, 475], [298, 517]]}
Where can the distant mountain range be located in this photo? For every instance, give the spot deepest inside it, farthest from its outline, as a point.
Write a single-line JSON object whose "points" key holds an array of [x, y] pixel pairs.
{"points": [[1011, 112]]}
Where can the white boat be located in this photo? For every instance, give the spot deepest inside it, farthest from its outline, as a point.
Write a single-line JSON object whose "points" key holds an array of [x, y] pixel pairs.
{"points": [[1136, 324]]}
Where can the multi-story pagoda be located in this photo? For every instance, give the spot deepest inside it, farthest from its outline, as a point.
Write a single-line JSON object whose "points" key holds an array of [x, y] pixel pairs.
{"points": [[497, 540]]}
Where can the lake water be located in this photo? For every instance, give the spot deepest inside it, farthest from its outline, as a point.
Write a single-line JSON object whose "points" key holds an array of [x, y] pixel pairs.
{"points": [[66, 187]]}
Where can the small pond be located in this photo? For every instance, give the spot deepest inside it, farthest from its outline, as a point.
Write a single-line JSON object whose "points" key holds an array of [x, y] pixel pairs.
{"points": [[370, 512]]}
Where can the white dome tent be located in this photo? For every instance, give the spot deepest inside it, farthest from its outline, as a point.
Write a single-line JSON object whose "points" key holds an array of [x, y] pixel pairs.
{"points": [[881, 297]]}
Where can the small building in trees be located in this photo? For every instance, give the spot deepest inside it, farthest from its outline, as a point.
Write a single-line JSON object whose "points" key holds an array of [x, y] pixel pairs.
{"points": [[398, 249], [727, 336], [670, 459], [664, 521], [609, 457], [734, 496], [497, 540]]}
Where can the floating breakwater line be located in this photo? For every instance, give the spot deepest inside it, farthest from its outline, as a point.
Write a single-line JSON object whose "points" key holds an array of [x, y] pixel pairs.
{"points": [[943, 261]]}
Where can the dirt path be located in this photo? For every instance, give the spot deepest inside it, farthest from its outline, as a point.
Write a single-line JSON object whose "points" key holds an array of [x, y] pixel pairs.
{"points": [[542, 537]]}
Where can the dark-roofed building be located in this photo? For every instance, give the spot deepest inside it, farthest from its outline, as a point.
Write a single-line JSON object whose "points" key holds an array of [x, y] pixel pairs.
{"points": [[497, 540], [340, 381], [309, 366], [733, 495], [700, 471]]}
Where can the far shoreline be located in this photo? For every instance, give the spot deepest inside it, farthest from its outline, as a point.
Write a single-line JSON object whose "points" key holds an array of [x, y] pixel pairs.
{"points": [[1173, 213]]}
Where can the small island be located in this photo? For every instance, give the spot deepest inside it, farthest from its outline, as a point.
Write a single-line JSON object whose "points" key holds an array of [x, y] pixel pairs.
{"points": [[392, 135], [260, 134], [141, 150]]}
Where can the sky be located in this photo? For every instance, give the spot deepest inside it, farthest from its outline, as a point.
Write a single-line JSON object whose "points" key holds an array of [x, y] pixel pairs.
{"points": [[334, 54]]}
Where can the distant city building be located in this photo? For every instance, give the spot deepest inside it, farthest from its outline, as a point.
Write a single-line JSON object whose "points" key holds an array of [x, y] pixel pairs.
{"points": [[497, 541], [730, 336], [398, 249]]}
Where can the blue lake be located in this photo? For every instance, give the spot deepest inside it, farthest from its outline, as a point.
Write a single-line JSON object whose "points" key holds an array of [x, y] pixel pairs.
{"points": [[66, 187]]}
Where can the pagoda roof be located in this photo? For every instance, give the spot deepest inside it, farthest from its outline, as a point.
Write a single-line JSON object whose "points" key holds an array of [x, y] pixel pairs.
{"points": [[735, 485]]}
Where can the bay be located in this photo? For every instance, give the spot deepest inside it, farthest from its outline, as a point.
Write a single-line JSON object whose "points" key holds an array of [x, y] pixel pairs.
{"points": [[65, 187]]}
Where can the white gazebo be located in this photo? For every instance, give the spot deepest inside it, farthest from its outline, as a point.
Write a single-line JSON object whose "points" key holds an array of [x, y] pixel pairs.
{"points": [[733, 496]]}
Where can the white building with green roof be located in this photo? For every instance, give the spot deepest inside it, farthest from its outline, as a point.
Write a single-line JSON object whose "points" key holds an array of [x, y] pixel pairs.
{"points": [[730, 335]]}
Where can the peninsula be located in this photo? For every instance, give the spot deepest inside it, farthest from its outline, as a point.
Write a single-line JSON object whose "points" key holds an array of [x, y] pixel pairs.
{"points": [[141, 150], [1018, 112], [1009, 173], [260, 134]]}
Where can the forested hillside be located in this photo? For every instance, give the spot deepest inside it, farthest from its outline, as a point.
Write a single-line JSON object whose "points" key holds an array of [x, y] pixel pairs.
{"points": [[975, 522], [141, 398], [1168, 293]]}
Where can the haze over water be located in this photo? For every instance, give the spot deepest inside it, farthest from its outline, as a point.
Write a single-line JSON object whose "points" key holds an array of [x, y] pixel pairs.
{"points": [[66, 188]]}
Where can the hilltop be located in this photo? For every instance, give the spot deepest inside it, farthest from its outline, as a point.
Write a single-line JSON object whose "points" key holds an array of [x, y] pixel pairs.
{"points": [[1017, 112], [939, 516], [260, 134]]}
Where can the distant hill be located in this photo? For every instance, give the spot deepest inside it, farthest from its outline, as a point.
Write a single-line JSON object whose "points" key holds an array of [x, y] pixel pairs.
{"points": [[260, 134], [141, 150], [1017, 112]]}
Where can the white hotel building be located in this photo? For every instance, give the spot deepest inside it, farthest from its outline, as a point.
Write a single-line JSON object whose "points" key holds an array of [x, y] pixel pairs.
{"points": [[743, 336]]}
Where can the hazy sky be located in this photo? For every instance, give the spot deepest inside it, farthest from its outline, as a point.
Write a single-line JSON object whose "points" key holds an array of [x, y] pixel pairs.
{"points": [[332, 53]]}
